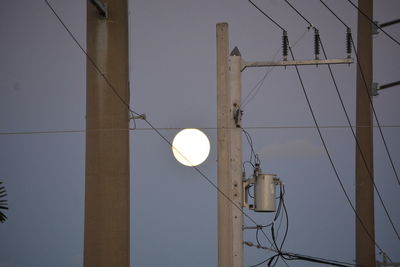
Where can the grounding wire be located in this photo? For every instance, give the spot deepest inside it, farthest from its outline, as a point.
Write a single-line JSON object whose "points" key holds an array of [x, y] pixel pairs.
{"points": [[370, 98], [373, 22]]}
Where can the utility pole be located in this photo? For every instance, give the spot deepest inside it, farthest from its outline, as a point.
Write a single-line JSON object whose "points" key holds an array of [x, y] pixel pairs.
{"points": [[365, 227], [231, 184], [230, 218], [106, 227]]}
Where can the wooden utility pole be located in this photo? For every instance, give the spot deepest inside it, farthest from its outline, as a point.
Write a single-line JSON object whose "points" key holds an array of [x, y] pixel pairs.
{"points": [[230, 218], [365, 230], [106, 228]]}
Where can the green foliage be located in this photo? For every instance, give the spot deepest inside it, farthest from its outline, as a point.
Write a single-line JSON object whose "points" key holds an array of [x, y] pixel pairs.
{"points": [[3, 203]]}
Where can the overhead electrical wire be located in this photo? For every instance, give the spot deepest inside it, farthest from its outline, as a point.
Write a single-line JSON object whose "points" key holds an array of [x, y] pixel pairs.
{"points": [[154, 128], [4, 133], [376, 116], [370, 98], [253, 92], [310, 258], [373, 22], [265, 14], [151, 126], [323, 141], [315, 121], [349, 122]]}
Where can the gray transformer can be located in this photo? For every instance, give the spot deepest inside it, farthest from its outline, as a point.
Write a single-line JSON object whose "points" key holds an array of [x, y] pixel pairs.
{"points": [[264, 197]]}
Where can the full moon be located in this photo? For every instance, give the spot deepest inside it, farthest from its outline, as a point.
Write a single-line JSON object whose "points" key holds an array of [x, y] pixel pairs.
{"points": [[191, 147]]}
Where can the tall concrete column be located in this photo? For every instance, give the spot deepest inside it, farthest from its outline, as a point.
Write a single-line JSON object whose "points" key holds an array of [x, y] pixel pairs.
{"points": [[106, 237], [365, 231]]}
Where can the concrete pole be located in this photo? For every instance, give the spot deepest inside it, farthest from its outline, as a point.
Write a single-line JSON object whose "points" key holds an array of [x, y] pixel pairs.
{"points": [[365, 247], [230, 218], [106, 228]]}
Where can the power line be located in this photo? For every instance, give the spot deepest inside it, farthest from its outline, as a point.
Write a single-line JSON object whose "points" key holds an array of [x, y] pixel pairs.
{"points": [[296, 256], [265, 14], [375, 115], [253, 92], [327, 151], [158, 132], [359, 148], [370, 99], [277, 127], [91, 60], [334, 14], [352, 130], [329, 156], [298, 13], [373, 22], [151, 126]]}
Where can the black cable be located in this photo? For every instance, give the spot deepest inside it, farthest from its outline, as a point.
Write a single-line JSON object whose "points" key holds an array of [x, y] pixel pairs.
{"points": [[179, 128], [265, 14], [333, 13], [375, 115], [287, 2], [91, 60], [370, 99], [264, 261], [323, 141], [286, 215], [252, 151], [373, 22], [359, 146], [207, 179], [329, 156], [255, 89], [354, 135], [384, 142], [151, 126]]}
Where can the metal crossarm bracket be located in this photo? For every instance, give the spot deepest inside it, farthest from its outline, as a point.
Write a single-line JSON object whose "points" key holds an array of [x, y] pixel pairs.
{"points": [[251, 64], [101, 7], [376, 87]]}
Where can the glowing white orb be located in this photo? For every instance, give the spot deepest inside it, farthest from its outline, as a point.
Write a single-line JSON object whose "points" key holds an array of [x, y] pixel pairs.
{"points": [[191, 147]]}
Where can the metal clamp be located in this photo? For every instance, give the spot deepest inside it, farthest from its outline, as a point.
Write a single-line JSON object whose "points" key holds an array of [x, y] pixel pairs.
{"points": [[237, 116], [101, 7], [139, 117]]}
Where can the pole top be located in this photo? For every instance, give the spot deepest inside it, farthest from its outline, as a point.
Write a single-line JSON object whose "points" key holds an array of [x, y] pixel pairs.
{"points": [[235, 52]]}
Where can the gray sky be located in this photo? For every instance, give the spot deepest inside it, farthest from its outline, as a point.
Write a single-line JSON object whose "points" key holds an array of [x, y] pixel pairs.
{"points": [[173, 72]]}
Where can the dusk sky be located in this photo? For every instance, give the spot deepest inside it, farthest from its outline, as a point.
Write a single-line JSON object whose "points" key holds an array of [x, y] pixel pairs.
{"points": [[173, 81]]}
